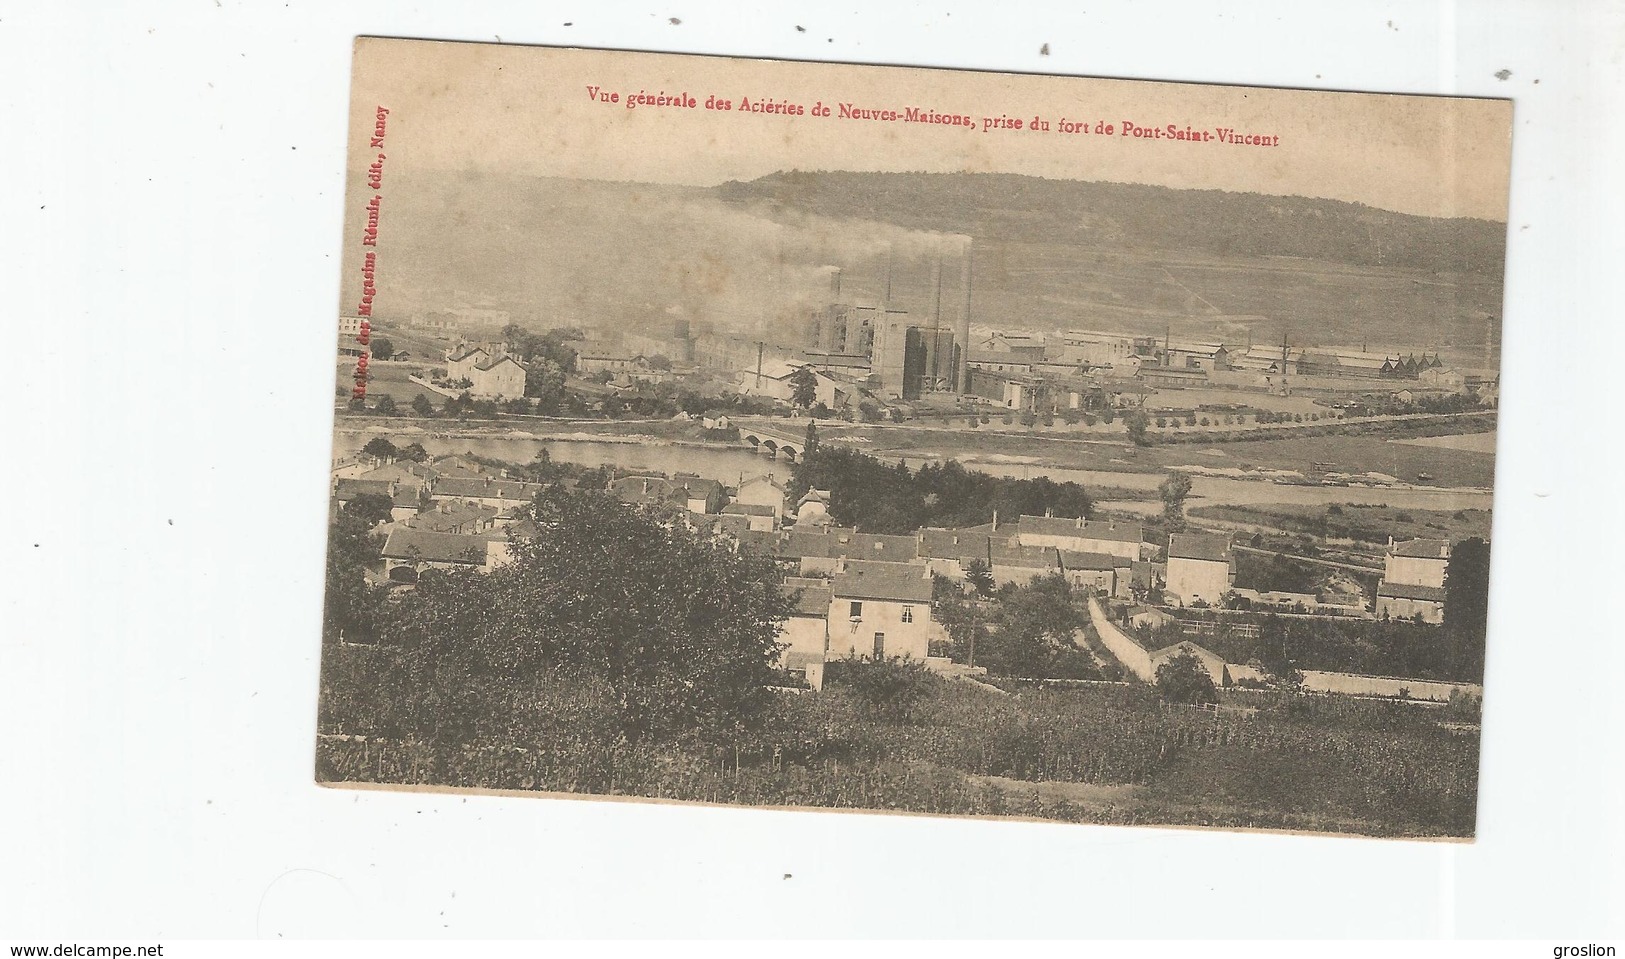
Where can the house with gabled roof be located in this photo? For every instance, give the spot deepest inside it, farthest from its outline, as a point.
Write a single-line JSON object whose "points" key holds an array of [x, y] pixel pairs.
{"points": [[1021, 564], [805, 634], [1413, 579], [813, 509], [758, 517], [1201, 568], [1083, 535], [498, 378], [460, 363], [487, 489], [881, 610], [1110, 574], [763, 490], [453, 516]]}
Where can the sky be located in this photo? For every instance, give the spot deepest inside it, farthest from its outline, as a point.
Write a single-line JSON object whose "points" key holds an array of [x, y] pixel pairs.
{"points": [[528, 110]]}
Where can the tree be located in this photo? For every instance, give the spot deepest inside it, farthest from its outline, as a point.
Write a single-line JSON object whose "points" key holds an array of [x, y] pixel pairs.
{"points": [[1466, 608], [803, 387], [370, 508], [1036, 622], [980, 576], [380, 448], [414, 452], [544, 378], [386, 405], [1183, 679], [421, 405], [681, 631], [382, 348], [351, 608], [1174, 489], [658, 362], [1138, 422]]}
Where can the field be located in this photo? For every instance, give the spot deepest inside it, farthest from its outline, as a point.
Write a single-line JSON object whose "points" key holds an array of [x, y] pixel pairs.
{"points": [[1342, 453], [388, 379], [1104, 754], [1370, 524]]}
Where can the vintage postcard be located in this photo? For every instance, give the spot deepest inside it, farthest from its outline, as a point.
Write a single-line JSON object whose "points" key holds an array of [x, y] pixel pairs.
{"points": [[884, 439]]}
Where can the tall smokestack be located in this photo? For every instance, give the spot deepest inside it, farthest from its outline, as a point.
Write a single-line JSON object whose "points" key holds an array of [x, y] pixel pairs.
{"points": [[835, 285], [888, 276], [964, 328], [936, 324]]}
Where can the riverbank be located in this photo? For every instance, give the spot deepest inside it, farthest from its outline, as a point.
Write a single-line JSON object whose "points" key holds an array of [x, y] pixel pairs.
{"points": [[1121, 476]]}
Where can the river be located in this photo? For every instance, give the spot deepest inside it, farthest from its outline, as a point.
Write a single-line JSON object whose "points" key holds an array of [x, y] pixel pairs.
{"points": [[728, 465]]}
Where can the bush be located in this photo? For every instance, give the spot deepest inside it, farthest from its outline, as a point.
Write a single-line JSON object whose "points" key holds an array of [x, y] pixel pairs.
{"points": [[1204, 421], [1183, 679], [891, 690], [1162, 422]]}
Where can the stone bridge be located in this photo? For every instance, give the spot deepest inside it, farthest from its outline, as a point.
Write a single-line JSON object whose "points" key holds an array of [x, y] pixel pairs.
{"points": [[772, 442]]}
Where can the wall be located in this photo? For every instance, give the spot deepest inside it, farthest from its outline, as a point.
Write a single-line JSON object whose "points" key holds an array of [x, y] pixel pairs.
{"points": [[805, 634], [1415, 571], [1132, 655], [1394, 607], [443, 391], [1352, 684], [1019, 574]]}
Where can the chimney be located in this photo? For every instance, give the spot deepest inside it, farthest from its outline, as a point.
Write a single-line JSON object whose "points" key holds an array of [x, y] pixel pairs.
{"points": [[995, 521], [964, 329]]}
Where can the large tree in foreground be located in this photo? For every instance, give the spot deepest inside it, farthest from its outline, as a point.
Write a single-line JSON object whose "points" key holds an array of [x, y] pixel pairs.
{"points": [[680, 633]]}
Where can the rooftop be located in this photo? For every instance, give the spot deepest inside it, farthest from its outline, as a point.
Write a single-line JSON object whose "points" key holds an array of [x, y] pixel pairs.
{"points": [[896, 582], [1422, 549], [420, 544], [1212, 547], [1105, 530], [1433, 594], [351, 488], [1077, 559], [485, 487], [812, 597], [747, 509]]}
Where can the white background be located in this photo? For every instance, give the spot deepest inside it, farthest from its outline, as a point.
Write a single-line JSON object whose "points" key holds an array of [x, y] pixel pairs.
{"points": [[169, 232]]}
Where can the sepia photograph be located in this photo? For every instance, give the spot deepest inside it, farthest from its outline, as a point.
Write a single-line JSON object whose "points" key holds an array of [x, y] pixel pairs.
{"points": [[894, 440]]}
